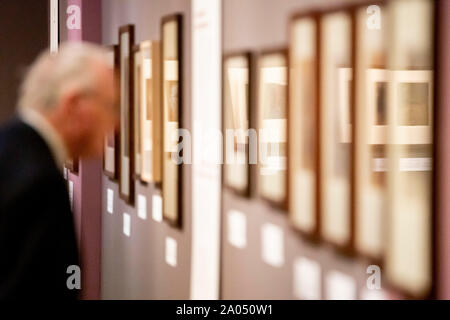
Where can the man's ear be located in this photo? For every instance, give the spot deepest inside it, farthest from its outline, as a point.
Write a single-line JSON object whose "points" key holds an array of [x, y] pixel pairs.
{"points": [[70, 110], [70, 103]]}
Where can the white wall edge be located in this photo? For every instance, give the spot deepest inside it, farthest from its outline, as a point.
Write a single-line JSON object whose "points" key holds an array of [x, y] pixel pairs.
{"points": [[206, 175]]}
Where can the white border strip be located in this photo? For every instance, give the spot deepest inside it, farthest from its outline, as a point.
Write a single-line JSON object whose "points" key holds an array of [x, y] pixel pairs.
{"points": [[54, 25], [206, 115]]}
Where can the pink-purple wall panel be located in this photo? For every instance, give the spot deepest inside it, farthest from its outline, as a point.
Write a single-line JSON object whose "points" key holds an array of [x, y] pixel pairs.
{"points": [[87, 184], [443, 153]]}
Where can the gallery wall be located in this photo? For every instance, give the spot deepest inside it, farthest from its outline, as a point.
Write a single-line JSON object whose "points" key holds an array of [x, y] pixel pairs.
{"points": [[135, 266], [79, 21], [443, 154], [258, 25], [24, 34]]}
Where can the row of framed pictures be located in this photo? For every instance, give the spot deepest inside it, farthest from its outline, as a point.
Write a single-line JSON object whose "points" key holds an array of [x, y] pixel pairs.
{"points": [[150, 95], [345, 122]]}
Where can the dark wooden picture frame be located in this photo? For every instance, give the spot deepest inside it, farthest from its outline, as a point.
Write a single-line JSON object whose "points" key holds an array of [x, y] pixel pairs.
{"points": [[72, 165], [309, 227], [151, 117], [410, 284], [126, 136], [282, 53], [137, 105], [172, 173], [366, 75], [347, 69], [113, 174], [249, 61]]}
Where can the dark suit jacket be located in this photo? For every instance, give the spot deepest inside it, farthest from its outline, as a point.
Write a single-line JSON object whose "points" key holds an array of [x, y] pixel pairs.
{"points": [[37, 237]]}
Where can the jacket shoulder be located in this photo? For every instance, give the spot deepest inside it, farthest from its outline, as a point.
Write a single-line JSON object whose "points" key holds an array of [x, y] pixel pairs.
{"points": [[24, 157]]}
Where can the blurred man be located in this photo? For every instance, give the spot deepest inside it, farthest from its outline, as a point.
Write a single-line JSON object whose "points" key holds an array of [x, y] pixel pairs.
{"points": [[66, 106]]}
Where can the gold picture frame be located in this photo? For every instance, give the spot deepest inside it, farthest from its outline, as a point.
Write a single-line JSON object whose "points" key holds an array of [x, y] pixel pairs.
{"points": [[150, 82], [126, 137], [335, 128], [236, 95], [171, 95], [110, 155], [303, 188], [409, 248], [137, 105], [272, 126]]}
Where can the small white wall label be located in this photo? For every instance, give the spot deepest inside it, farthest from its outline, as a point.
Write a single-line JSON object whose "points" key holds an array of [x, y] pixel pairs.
{"points": [[171, 251], [272, 245], [71, 194], [126, 224], [157, 208], [340, 286], [373, 294], [142, 207], [307, 282], [109, 200], [237, 229]]}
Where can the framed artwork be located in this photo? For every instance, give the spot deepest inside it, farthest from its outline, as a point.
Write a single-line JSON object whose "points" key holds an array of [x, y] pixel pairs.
{"points": [[236, 121], [377, 81], [150, 82], [171, 48], [126, 160], [137, 110], [412, 91], [335, 128], [110, 156], [302, 125], [272, 118], [409, 248], [344, 92], [72, 165], [370, 157]]}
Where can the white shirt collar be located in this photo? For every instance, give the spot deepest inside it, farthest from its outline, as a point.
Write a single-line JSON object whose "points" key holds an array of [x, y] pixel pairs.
{"points": [[54, 141]]}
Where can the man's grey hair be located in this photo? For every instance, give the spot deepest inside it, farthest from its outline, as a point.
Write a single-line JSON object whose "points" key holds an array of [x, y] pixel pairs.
{"points": [[54, 74]]}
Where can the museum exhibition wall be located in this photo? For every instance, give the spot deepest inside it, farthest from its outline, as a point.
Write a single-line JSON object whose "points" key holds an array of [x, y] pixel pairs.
{"points": [[341, 185], [353, 191], [134, 264], [27, 34], [78, 21], [442, 154]]}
